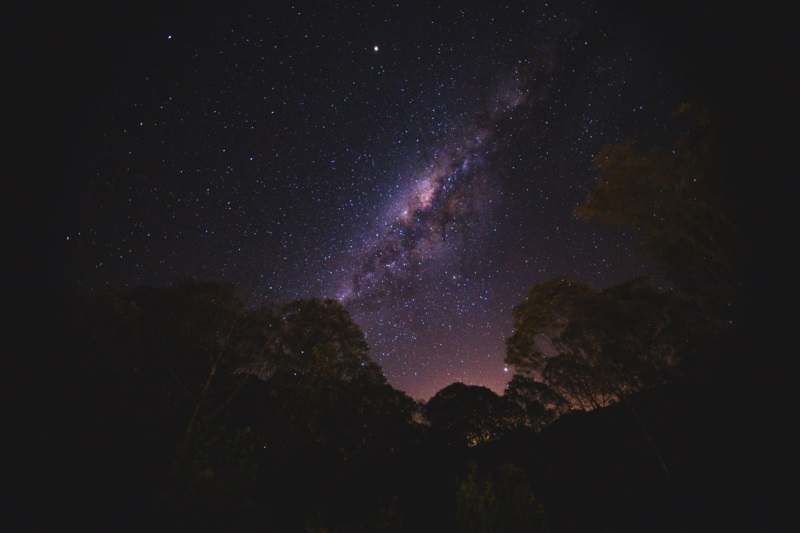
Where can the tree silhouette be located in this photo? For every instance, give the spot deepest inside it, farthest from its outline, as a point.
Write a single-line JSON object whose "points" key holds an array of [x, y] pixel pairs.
{"points": [[498, 501], [594, 347], [539, 404], [323, 382], [466, 415], [672, 200], [247, 395]]}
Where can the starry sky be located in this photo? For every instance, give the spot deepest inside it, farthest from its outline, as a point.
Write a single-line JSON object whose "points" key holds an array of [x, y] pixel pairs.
{"points": [[418, 161]]}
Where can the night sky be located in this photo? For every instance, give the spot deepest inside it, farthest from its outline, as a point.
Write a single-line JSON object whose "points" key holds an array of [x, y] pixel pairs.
{"points": [[418, 161]]}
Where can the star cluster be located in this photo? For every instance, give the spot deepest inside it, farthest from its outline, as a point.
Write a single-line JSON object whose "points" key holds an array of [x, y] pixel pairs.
{"points": [[418, 161]]}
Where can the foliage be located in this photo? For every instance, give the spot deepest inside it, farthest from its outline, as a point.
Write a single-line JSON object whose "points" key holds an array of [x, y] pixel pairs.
{"points": [[241, 386], [594, 346], [322, 388], [500, 501], [317, 340], [222, 469], [462, 415], [539, 404], [672, 199], [183, 342]]}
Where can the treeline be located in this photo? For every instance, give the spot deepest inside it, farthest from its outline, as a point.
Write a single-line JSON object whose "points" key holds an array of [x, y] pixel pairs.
{"points": [[183, 408]]}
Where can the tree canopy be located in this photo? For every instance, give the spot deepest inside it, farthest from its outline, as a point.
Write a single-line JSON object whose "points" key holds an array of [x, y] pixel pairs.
{"points": [[672, 199], [593, 346], [466, 415], [596, 346]]}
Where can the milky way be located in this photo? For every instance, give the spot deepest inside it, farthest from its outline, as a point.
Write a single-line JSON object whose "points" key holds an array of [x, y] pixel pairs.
{"points": [[448, 197]]}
